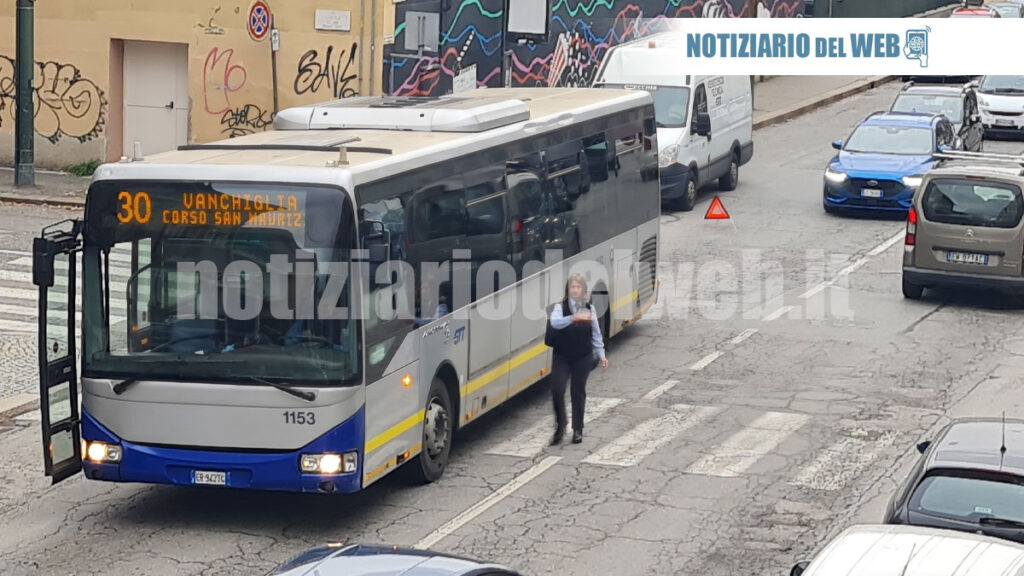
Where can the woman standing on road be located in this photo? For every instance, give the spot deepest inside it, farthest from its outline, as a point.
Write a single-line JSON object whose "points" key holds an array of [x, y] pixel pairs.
{"points": [[576, 339]]}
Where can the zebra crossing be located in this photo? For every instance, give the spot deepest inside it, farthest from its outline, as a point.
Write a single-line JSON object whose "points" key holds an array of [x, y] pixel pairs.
{"points": [[733, 453], [19, 297]]}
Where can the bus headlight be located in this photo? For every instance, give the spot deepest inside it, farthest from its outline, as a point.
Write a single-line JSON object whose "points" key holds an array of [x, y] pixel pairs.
{"points": [[103, 453], [329, 463]]}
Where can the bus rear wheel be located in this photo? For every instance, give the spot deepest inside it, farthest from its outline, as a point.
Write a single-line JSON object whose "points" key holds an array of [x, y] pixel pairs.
{"points": [[437, 435]]}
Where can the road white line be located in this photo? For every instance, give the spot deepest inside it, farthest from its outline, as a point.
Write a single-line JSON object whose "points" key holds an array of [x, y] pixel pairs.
{"points": [[668, 385], [16, 252], [841, 462], [482, 506], [777, 314], [643, 440], [741, 450], [531, 442], [743, 336], [707, 360], [852, 267], [815, 290], [887, 244]]}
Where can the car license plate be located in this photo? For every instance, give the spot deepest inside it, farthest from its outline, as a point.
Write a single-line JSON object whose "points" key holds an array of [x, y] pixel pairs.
{"points": [[871, 193], [966, 258], [1003, 122], [210, 478]]}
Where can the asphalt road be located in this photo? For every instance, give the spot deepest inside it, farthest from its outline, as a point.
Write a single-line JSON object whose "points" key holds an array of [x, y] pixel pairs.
{"points": [[752, 415]]}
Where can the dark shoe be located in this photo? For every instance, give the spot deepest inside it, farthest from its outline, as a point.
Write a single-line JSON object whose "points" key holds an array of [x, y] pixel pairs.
{"points": [[577, 436], [557, 438]]}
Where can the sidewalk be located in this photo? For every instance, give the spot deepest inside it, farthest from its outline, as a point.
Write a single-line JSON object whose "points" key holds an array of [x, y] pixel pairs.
{"points": [[776, 99]]}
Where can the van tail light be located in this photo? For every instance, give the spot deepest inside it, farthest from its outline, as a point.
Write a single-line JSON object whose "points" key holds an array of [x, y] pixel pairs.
{"points": [[911, 237]]}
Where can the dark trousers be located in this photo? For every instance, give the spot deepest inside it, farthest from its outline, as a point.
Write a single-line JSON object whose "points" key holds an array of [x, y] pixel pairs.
{"points": [[562, 370]]}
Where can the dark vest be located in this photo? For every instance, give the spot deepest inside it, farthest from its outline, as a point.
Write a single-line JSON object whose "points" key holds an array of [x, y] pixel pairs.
{"points": [[574, 341]]}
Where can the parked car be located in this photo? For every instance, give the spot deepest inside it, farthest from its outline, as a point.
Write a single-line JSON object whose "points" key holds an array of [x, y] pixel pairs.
{"points": [[705, 123], [958, 103], [362, 560], [965, 228], [970, 478], [870, 550], [1008, 9], [975, 12], [1001, 100], [881, 163]]}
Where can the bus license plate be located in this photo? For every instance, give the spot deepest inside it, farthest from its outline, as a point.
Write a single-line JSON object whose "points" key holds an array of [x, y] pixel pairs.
{"points": [[966, 258], [210, 478], [871, 193]]}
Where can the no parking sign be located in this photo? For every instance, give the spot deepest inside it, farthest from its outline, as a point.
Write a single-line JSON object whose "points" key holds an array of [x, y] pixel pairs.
{"points": [[258, 21]]}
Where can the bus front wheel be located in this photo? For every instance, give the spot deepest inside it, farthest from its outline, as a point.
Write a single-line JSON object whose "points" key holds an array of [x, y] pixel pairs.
{"points": [[437, 435]]}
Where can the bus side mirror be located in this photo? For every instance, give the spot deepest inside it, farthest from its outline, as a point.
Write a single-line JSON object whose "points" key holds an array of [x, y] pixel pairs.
{"points": [[42, 263], [379, 253], [798, 569]]}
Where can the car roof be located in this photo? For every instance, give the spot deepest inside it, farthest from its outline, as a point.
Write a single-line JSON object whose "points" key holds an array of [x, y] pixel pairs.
{"points": [[934, 90], [906, 119], [361, 559], [975, 443], [899, 550]]}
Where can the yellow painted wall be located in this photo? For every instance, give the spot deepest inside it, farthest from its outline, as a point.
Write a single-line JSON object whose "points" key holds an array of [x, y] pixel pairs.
{"points": [[230, 75]]}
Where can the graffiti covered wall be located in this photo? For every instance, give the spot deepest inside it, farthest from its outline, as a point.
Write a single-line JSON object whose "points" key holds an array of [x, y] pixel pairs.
{"points": [[581, 31]]}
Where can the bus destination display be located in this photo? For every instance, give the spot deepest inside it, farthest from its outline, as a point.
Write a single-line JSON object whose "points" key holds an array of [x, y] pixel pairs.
{"points": [[211, 209]]}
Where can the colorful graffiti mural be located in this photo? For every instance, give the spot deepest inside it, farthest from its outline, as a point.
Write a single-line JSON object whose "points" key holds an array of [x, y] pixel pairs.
{"points": [[581, 31]]}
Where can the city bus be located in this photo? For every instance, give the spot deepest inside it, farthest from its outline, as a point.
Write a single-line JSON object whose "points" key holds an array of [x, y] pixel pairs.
{"points": [[314, 307]]}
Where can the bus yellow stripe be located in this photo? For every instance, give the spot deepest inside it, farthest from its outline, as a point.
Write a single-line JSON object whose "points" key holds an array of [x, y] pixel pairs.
{"points": [[625, 300], [503, 368], [370, 476], [394, 432]]}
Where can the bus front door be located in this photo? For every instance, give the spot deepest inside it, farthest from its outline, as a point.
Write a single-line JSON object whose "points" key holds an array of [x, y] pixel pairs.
{"points": [[53, 271]]}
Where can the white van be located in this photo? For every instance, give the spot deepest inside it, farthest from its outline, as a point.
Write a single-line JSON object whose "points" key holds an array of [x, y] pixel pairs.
{"points": [[897, 550], [705, 123]]}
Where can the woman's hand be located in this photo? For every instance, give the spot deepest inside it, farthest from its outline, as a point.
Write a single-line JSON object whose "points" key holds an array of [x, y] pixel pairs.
{"points": [[581, 316], [604, 362]]}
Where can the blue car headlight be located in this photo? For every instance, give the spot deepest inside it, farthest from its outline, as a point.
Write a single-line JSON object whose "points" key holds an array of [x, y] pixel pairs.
{"points": [[835, 176], [912, 181]]}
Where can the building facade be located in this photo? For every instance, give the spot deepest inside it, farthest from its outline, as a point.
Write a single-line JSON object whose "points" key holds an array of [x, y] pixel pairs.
{"points": [[110, 73]]}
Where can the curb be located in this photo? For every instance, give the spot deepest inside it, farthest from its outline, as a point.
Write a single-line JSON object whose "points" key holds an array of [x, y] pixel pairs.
{"points": [[829, 98], [42, 200]]}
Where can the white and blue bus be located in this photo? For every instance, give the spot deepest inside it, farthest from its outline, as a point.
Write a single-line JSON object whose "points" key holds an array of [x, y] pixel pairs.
{"points": [[312, 307]]}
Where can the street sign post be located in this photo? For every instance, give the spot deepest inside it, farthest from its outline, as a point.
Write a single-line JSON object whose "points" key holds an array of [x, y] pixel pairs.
{"points": [[24, 122]]}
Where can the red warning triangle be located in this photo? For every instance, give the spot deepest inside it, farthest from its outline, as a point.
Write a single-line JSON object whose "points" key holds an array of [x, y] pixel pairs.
{"points": [[716, 211]]}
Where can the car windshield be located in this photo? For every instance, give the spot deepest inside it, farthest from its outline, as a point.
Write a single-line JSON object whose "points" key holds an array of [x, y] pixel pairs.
{"points": [[1002, 84], [212, 282], [890, 140], [951, 106], [969, 499], [973, 203], [670, 103]]}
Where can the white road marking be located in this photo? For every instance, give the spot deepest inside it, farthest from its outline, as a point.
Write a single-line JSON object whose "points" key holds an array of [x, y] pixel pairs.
{"points": [[482, 506], [531, 442], [743, 336], [707, 360], [668, 385], [644, 439], [16, 252], [744, 448], [887, 244], [815, 290], [841, 462], [777, 314]]}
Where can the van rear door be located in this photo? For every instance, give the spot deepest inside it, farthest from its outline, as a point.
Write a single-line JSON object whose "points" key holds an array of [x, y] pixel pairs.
{"points": [[971, 225]]}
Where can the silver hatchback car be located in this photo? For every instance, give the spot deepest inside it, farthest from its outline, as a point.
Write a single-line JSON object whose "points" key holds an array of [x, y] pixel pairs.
{"points": [[965, 226]]}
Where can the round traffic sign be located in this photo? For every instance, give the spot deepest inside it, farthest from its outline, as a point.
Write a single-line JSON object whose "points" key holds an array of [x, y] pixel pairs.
{"points": [[258, 21]]}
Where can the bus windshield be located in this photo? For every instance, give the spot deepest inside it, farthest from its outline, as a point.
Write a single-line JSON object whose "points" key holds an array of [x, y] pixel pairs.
{"points": [[204, 282]]}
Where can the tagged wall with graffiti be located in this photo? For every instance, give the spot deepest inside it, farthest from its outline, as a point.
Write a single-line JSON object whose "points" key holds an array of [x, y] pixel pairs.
{"points": [[580, 32], [200, 71]]}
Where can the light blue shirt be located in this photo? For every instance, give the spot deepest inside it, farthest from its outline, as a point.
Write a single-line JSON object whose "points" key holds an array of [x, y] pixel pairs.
{"points": [[559, 321]]}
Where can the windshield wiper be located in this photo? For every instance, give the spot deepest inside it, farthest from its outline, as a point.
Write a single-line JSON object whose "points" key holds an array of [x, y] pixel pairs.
{"points": [[286, 388], [123, 385], [1000, 522]]}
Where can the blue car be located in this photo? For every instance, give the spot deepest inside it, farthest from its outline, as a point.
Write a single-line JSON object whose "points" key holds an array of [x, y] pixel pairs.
{"points": [[881, 163]]}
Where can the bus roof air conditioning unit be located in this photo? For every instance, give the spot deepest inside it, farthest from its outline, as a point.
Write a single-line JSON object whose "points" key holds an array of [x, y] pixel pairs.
{"points": [[445, 114]]}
